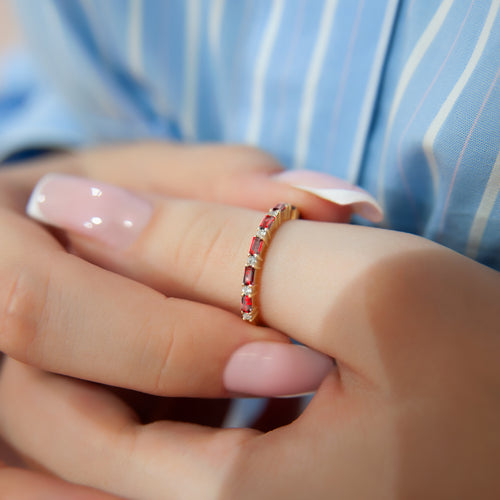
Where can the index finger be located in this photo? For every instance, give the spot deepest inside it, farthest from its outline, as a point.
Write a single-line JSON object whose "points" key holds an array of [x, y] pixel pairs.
{"points": [[31, 485], [65, 315], [228, 174], [198, 251]]}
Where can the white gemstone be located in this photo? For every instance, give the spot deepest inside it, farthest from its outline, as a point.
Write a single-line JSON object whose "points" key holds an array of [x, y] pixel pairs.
{"points": [[252, 260], [247, 290], [261, 233], [247, 316]]}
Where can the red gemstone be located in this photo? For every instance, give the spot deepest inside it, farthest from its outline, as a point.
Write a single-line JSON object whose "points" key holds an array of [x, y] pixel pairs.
{"points": [[246, 304], [280, 206], [267, 222], [249, 276], [256, 246]]}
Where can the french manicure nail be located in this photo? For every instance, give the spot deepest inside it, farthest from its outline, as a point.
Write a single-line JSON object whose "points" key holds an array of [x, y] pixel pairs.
{"points": [[270, 369], [100, 211], [335, 190]]}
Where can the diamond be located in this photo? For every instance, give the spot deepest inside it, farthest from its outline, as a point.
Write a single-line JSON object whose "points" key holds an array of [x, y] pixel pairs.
{"points": [[247, 316], [261, 233], [247, 290], [252, 260]]}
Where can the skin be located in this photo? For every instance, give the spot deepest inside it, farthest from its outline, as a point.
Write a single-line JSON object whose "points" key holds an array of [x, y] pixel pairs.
{"points": [[30, 485], [411, 409], [45, 289]]}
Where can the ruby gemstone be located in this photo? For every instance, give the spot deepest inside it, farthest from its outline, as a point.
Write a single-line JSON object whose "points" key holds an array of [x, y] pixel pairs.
{"points": [[246, 304], [280, 206], [267, 222], [249, 276], [256, 246]]}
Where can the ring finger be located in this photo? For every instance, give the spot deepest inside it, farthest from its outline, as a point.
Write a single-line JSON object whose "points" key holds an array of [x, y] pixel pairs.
{"points": [[197, 251]]}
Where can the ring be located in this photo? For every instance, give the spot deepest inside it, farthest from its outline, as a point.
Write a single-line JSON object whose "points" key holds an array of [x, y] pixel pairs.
{"points": [[268, 226]]}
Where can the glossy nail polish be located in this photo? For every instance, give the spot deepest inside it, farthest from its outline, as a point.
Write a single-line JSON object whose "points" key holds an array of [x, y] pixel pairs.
{"points": [[270, 369], [90, 208]]}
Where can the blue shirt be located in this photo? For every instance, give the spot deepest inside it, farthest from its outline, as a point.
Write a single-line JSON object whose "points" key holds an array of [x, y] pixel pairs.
{"points": [[401, 97]]}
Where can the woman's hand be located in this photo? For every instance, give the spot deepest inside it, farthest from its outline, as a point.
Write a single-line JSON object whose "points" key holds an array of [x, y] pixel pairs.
{"points": [[47, 292], [28, 485], [62, 314], [410, 409]]}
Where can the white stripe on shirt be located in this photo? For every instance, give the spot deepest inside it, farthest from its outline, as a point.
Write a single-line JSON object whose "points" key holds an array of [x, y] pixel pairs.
{"points": [[444, 111], [135, 36], [483, 212], [462, 152], [259, 80], [57, 24], [193, 8], [215, 28], [308, 100], [409, 69], [371, 92]]}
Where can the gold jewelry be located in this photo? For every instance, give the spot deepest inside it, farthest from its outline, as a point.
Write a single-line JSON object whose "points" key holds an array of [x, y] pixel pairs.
{"points": [[279, 214]]}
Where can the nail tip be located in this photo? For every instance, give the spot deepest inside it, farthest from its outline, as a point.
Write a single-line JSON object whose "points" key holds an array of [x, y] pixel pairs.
{"points": [[372, 212], [265, 369], [78, 205], [33, 206], [362, 202]]}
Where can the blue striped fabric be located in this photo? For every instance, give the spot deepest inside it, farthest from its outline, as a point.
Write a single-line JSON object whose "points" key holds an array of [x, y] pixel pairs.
{"points": [[400, 97]]}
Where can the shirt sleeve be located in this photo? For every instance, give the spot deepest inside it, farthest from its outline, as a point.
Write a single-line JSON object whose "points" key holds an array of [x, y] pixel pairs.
{"points": [[32, 116]]}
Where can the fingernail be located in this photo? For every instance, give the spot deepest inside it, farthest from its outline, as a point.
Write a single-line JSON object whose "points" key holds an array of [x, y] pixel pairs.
{"points": [[100, 211], [269, 369], [335, 190]]}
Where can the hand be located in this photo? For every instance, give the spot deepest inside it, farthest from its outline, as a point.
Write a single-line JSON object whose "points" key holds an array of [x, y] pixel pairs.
{"points": [[64, 315], [410, 409], [29, 485], [221, 172]]}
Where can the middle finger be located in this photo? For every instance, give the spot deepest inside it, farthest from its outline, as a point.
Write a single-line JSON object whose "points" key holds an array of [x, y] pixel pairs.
{"points": [[62, 314], [198, 251]]}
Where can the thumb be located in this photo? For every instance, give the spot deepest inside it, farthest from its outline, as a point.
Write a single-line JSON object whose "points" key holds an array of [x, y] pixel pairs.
{"points": [[229, 174]]}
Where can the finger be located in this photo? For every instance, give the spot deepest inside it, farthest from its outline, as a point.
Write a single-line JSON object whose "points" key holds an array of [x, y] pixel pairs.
{"points": [[198, 251], [22, 484], [231, 174], [234, 175], [8, 456], [329, 286], [84, 434], [65, 315]]}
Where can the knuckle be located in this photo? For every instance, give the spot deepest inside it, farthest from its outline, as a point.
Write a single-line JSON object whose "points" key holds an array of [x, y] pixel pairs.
{"points": [[174, 351], [251, 156], [23, 295], [204, 246], [163, 381], [161, 347]]}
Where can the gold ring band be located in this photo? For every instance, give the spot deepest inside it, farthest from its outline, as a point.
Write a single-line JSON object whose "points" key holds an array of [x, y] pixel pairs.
{"points": [[268, 226]]}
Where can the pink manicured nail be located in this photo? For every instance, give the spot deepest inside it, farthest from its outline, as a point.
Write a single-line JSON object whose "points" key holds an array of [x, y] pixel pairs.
{"points": [[100, 211], [270, 369], [335, 190]]}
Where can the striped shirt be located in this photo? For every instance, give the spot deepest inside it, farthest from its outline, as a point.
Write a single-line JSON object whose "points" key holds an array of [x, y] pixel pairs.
{"points": [[401, 97]]}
